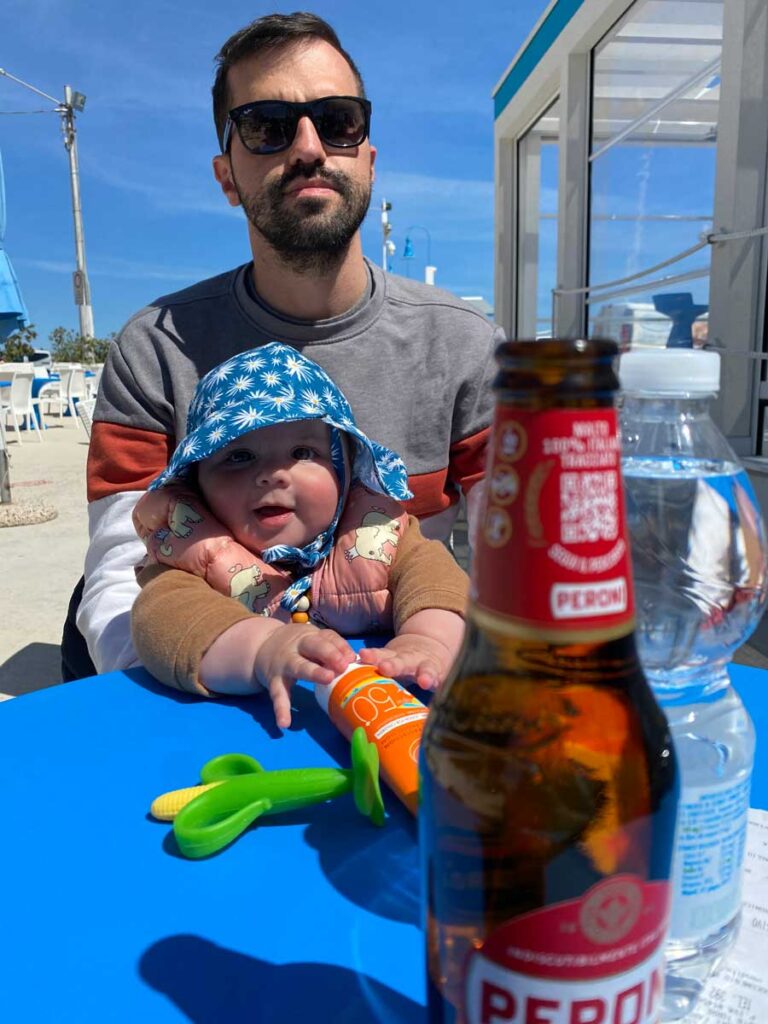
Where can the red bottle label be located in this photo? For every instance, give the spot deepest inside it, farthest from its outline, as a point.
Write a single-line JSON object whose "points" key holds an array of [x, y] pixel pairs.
{"points": [[598, 959], [554, 520]]}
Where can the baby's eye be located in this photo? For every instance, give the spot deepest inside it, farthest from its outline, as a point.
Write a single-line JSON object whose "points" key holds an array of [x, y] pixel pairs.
{"points": [[238, 457], [302, 452]]}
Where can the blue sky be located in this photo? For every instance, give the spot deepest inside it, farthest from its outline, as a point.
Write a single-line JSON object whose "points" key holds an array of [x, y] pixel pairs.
{"points": [[154, 218]]}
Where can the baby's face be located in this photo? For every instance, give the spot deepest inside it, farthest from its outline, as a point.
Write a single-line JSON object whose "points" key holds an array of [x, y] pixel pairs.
{"points": [[273, 486]]}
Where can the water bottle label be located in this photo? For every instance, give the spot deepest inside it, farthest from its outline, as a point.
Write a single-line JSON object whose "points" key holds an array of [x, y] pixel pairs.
{"points": [[554, 496], [598, 958], [709, 854]]}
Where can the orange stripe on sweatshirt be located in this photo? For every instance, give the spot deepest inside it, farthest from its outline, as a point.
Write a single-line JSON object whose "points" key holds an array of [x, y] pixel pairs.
{"points": [[468, 459], [124, 458], [432, 491]]}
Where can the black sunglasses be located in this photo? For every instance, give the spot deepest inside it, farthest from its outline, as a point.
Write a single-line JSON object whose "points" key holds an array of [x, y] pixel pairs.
{"points": [[269, 126]]}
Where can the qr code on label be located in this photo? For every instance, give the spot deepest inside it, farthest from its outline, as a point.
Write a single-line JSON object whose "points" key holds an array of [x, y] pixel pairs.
{"points": [[588, 507]]}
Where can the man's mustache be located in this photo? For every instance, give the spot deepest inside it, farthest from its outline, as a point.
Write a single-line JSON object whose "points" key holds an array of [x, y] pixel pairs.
{"points": [[335, 178]]}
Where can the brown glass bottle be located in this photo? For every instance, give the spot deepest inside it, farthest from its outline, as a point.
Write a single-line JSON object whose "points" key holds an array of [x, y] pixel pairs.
{"points": [[548, 779]]}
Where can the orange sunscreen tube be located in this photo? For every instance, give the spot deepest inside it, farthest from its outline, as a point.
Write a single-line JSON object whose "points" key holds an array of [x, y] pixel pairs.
{"points": [[393, 720]]}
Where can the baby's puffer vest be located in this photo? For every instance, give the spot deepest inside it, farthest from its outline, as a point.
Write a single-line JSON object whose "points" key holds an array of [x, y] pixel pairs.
{"points": [[349, 591]]}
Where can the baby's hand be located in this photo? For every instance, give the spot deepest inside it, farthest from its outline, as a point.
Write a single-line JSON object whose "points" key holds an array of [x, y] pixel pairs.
{"points": [[298, 652], [410, 657], [151, 512], [174, 507]]}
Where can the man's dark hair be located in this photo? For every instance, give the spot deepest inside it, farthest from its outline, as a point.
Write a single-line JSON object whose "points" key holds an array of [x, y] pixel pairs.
{"points": [[266, 35]]}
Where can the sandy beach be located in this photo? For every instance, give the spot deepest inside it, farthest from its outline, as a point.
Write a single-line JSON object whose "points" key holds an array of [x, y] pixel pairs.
{"points": [[41, 563]]}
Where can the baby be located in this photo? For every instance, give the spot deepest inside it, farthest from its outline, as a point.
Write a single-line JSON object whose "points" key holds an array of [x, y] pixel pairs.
{"points": [[277, 529]]}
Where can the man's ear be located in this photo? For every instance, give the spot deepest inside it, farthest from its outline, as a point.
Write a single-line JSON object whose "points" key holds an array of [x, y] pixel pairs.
{"points": [[373, 161], [222, 170]]}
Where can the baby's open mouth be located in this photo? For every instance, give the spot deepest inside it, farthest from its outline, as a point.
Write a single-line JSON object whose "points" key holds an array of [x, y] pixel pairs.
{"points": [[272, 513]]}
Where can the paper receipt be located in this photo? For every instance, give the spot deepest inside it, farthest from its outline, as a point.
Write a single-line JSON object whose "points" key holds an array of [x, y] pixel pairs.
{"points": [[737, 993]]}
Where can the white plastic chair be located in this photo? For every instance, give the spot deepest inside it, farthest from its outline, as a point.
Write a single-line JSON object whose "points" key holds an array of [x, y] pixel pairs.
{"points": [[52, 394], [16, 401], [85, 409], [78, 389], [64, 391], [92, 383]]}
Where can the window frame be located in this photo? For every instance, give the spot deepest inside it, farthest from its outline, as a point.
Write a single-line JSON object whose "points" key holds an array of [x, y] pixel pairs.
{"points": [[527, 198]]}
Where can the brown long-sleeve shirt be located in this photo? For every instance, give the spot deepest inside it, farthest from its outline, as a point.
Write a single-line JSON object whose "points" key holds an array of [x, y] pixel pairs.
{"points": [[178, 616]]}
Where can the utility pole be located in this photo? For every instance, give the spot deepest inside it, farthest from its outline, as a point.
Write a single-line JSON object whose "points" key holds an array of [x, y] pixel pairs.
{"points": [[76, 101], [73, 102]]}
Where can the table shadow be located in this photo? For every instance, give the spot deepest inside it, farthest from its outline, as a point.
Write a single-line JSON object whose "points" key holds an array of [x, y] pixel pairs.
{"points": [[257, 706], [211, 985], [375, 868], [34, 667]]}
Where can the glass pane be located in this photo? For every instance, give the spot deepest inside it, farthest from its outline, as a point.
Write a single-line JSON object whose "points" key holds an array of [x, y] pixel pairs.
{"points": [[654, 130], [537, 157]]}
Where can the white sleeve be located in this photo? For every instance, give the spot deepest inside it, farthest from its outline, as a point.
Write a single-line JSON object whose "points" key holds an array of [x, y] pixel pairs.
{"points": [[439, 525], [474, 501], [104, 615]]}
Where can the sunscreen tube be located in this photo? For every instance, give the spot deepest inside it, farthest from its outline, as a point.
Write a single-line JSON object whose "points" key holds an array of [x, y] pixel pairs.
{"points": [[392, 717]]}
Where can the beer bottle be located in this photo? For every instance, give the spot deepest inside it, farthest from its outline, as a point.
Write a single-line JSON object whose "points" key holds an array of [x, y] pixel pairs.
{"points": [[548, 781]]}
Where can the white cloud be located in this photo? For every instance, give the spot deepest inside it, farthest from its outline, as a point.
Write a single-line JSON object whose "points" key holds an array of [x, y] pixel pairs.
{"points": [[171, 191], [120, 268], [120, 72], [430, 188], [52, 266], [452, 209]]}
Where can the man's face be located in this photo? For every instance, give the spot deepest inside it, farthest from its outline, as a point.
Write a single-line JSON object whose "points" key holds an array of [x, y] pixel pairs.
{"points": [[308, 201]]}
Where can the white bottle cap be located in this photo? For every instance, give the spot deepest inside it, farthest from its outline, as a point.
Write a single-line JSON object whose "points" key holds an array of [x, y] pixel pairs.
{"points": [[670, 371], [323, 693]]}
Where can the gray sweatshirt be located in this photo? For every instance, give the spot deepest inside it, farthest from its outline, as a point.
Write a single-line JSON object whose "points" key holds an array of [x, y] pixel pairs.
{"points": [[415, 364]]}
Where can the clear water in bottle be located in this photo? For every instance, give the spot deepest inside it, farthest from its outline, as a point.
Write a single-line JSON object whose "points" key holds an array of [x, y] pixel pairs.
{"points": [[698, 565], [699, 571]]}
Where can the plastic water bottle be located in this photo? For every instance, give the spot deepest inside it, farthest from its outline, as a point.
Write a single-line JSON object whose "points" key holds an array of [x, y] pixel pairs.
{"points": [[699, 566]]}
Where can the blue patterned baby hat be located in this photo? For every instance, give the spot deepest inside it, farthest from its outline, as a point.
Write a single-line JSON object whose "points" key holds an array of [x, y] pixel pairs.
{"points": [[276, 384]]}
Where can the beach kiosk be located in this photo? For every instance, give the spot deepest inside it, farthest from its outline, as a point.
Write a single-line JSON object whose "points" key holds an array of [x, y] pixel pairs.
{"points": [[631, 188], [631, 183]]}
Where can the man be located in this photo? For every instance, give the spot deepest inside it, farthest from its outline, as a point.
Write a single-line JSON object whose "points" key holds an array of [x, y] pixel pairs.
{"points": [[416, 363]]}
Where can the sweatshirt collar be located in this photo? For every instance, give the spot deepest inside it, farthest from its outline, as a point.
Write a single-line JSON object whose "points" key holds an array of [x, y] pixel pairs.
{"points": [[283, 328]]}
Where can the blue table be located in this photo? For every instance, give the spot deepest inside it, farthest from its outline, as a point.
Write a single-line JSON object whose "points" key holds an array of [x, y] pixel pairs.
{"points": [[307, 917], [40, 382], [102, 920]]}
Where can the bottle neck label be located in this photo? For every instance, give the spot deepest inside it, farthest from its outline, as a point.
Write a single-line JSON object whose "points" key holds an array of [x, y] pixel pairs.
{"points": [[598, 959], [551, 552]]}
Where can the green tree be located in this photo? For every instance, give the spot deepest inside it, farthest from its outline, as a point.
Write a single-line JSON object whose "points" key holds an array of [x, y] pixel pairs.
{"points": [[69, 347], [18, 345]]}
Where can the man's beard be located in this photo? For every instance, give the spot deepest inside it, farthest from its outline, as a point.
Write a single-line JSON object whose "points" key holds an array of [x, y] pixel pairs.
{"points": [[312, 236]]}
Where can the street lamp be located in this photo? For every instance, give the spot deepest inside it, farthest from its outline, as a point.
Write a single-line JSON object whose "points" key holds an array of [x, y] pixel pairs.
{"points": [[429, 270], [73, 102]]}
